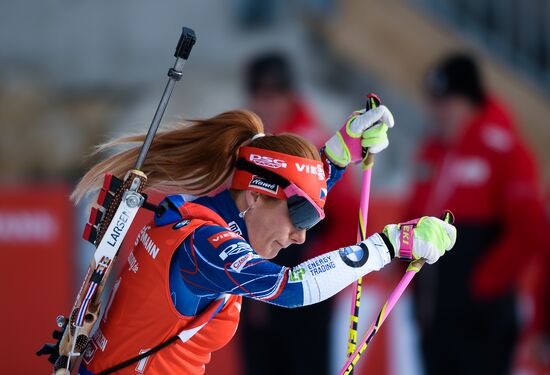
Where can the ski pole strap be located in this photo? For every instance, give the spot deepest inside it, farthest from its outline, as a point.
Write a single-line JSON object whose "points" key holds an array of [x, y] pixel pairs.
{"points": [[406, 239]]}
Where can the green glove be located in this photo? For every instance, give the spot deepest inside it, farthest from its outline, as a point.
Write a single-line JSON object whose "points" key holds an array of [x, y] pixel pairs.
{"points": [[427, 237], [362, 130]]}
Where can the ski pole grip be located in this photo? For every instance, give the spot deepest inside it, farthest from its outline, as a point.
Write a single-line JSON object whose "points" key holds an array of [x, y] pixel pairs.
{"points": [[373, 101], [186, 43], [448, 217]]}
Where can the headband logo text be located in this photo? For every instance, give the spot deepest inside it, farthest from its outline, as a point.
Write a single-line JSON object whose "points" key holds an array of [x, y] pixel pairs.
{"points": [[312, 169], [266, 161], [260, 183]]}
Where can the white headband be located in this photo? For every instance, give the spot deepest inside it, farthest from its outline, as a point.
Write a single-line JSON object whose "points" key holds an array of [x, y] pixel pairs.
{"points": [[259, 135]]}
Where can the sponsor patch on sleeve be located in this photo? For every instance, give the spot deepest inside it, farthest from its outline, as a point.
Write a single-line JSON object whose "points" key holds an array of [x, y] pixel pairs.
{"points": [[239, 264], [219, 238], [234, 249]]}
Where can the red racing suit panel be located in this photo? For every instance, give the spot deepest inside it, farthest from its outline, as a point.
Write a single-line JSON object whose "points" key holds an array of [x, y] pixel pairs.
{"points": [[140, 313]]}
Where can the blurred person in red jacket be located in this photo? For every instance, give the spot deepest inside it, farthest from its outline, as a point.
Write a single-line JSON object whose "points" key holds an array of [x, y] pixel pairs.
{"points": [[475, 164], [536, 349], [302, 338]]}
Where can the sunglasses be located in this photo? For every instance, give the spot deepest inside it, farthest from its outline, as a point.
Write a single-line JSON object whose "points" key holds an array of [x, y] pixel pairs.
{"points": [[303, 211]]}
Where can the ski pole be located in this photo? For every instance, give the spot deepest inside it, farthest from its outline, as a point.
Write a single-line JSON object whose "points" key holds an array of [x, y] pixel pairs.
{"points": [[412, 270], [367, 163]]}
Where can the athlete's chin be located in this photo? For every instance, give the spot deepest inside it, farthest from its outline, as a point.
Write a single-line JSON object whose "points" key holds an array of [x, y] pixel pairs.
{"points": [[268, 251]]}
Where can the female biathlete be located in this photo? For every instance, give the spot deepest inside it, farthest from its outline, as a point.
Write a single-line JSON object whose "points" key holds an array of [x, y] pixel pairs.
{"points": [[179, 295]]}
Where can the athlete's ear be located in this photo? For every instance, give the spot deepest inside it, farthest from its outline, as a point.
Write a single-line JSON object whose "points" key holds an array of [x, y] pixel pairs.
{"points": [[252, 198]]}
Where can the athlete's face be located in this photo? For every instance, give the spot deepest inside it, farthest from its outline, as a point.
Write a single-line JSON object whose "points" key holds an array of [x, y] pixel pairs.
{"points": [[269, 226]]}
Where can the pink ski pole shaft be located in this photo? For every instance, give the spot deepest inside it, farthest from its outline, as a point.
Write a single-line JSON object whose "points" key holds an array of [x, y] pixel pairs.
{"points": [[357, 285], [372, 102], [412, 270]]}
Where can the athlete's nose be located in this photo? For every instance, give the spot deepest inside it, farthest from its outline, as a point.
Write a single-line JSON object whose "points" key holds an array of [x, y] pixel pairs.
{"points": [[298, 236]]}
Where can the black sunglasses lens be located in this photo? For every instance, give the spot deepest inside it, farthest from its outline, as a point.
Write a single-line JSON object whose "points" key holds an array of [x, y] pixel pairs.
{"points": [[302, 213]]}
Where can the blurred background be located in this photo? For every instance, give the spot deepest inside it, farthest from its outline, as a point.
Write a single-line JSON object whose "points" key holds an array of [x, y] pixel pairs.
{"points": [[76, 73]]}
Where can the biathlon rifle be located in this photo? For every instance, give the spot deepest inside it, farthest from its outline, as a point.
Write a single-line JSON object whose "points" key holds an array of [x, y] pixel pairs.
{"points": [[117, 205]]}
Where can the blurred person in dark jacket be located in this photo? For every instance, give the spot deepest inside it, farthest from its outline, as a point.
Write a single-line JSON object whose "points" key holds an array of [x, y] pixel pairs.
{"points": [[475, 164], [301, 338]]}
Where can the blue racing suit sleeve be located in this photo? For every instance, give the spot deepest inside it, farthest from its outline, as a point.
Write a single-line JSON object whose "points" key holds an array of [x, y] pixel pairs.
{"points": [[334, 172], [214, 260]]}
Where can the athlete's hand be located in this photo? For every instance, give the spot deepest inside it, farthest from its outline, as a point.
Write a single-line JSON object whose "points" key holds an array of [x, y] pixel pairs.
{"points": [[362, 130], [427, 237]]}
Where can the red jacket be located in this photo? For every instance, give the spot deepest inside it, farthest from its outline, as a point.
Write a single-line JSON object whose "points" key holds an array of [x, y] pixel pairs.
{"points": [[489, 179]]}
